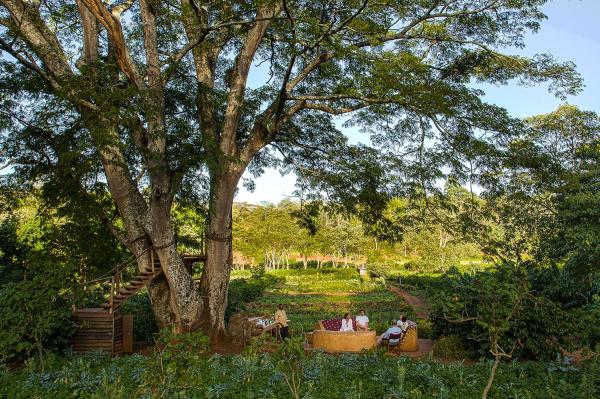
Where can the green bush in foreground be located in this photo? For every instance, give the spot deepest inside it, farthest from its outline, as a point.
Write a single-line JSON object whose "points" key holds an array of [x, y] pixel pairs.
{"points": [[180, 369], [34, 314]]}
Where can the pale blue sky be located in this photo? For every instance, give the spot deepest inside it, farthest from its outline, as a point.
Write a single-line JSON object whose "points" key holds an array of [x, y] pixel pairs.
{"points": [[570, 33]]}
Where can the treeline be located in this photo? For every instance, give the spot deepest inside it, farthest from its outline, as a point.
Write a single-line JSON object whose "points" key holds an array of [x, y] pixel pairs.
{"points": [[274, 236]]}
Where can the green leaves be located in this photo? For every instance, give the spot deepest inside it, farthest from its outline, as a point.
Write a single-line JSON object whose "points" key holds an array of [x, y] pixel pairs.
{"points": [[34, 313], [552, 171]]}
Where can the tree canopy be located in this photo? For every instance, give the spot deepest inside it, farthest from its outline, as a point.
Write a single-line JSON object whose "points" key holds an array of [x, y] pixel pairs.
{"points": [[128, 105]]}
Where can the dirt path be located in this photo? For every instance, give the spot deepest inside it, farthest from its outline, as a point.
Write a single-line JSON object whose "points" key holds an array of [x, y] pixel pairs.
{"points": [[422, 311], [424, 346], [420, 307]]}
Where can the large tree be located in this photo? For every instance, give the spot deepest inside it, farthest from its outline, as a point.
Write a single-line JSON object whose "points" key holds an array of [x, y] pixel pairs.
{"points": [[149, 100], [549, 194]]}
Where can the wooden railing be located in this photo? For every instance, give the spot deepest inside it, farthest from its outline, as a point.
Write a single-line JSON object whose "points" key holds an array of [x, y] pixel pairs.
{"points": [[114, 278]]}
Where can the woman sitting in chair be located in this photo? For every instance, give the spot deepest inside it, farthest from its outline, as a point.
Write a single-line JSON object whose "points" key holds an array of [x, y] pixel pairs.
{"points": [[347, 323]]}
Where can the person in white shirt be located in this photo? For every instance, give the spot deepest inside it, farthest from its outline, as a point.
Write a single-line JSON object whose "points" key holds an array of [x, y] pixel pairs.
{"points": [[362, 321], [346, 323], [392, 335], [403, 325]]}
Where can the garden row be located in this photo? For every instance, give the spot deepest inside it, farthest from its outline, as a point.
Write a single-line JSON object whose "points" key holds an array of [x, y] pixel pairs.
{"points": [[179, 368]]}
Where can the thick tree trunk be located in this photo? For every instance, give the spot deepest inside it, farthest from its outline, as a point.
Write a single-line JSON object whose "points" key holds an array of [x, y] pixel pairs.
{"points": [[160, 297], [184, 300], [215, 277], [134, 211]]}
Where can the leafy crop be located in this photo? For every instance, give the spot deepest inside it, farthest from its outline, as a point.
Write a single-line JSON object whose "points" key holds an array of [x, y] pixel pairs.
{"points": [[184, 370]]}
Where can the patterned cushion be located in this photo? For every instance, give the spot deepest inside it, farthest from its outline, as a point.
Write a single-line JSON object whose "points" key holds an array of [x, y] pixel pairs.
{"points": [[332, 324], [336, 324], [411, 325]]}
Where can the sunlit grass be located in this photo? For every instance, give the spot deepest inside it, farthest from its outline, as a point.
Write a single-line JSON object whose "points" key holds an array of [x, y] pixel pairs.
{"points": [[312, 295]]}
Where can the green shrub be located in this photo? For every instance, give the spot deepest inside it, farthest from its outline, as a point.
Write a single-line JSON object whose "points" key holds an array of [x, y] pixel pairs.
{"points": [[180, 346], [244, 290], [144, 323], [34, 314], [424, 328], [258, 270], [585, 323], [537, 326], [379, 269], [450, 347], [424, 265]]}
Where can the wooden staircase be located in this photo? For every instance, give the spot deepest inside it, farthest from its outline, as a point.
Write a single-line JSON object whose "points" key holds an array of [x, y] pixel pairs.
{"points": [[105, 328], [120, 293], [123, 293]]}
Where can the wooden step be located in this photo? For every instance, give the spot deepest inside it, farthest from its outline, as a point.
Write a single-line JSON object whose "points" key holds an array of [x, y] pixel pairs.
{"points": [[89, 312], [128, 290], [135, 285], [150, 270], [131, 288]]}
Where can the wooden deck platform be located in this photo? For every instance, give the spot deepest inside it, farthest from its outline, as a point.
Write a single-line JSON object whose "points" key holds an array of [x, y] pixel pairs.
{"points": [[100, 330]]}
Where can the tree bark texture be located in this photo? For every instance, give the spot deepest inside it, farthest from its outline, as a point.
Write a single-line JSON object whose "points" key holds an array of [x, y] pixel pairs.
{"points": [[217, 269]]}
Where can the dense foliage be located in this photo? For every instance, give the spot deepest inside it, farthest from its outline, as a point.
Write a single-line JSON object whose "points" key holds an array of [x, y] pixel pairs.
{"points": [[534, 317], [34, 313], [44, 254], [180, 369]]}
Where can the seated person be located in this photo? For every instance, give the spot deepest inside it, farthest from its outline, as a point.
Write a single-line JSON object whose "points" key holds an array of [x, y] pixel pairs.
{"points": [[347, 323], [362, 321], [403, 325], [400, 320], [393, 335]]}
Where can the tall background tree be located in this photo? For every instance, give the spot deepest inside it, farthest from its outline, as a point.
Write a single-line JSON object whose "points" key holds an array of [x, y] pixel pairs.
{"points": [[551, 190], [145, 102]]}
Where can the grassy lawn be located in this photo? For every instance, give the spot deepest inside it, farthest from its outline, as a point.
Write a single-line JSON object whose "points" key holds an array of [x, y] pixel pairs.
{"points": [[312, 295]]}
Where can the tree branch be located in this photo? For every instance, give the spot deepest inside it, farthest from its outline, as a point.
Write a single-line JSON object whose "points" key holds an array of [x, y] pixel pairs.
{"points": [[200, 36], [240, 76], [28, 63], [112, 24], [90, 34], [27, 22], [151, 45], [332, 110]]}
